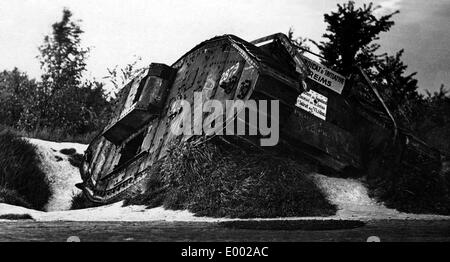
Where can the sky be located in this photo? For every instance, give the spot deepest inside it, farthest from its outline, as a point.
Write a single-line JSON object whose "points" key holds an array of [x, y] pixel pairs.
{"points": [[163, 30]]}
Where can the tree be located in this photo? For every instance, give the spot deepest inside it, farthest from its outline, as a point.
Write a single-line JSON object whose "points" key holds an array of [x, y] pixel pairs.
{"points": [[64, 100], [63, 63], [399, 90], [350, 35], [95, 107], [63, 60], [15, 87]]}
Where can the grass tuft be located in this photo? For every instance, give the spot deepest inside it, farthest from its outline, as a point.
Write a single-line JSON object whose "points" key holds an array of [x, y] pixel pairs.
{"points": [[411, 189], [215, 179]]}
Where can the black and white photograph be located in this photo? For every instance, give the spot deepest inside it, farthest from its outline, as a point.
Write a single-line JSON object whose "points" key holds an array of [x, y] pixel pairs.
{"points": [[245, 122]]}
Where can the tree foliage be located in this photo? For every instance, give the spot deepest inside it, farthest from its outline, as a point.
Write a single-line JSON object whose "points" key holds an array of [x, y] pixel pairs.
{"points": [[351, 41], [63, 59], [299, 41], [120, 76], [15, 87], [432, 120], [64, 99], [398, 88], [350, 36]]}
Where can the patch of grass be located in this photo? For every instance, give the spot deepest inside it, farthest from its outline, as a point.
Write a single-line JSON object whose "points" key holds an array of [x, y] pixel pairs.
{"points": [[16, 216], [79, 201], [218, 180], [54, 134], [155, 193], [20, 171], [11, 197], [411, 189]]}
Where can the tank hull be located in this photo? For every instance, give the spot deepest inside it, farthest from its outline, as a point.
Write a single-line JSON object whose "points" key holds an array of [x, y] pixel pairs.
{"points": [[120, 159]]}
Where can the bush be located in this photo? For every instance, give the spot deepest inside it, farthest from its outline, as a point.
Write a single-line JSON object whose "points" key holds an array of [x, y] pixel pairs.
{"points": [[57, 135], [51, 134], [215, 179], [16, 216], [439, 137], [13, 198], [411, 189], [20, 171]]}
